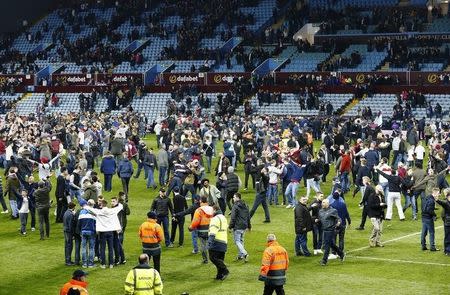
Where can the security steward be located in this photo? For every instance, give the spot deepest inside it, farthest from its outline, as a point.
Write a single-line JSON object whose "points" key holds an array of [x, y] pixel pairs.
{"points": [[151, 234], [143, 280], [200, 222], [274, 265]]}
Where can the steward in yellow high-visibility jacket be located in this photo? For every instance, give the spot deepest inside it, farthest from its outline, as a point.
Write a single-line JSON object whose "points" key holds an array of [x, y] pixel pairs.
{"points": [[143, 280], [217, 242]]}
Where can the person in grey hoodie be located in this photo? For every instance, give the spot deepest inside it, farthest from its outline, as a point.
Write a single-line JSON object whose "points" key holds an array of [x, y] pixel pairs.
{"points": [[163, 163]]}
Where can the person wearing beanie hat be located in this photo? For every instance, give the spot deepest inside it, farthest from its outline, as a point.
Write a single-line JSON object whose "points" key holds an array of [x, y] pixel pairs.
{"points": [[151, 234], [78, 282]]}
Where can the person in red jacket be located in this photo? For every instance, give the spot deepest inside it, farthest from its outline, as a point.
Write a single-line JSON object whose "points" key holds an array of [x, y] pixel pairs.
{"points": [[77, 282], [344, 167]]}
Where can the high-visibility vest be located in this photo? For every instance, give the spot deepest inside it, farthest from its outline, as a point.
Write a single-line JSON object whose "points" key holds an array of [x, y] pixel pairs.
{"points": [[143, 280], [218, 227], [202, 217], [79, 285], [274, 264], [151, 233]]}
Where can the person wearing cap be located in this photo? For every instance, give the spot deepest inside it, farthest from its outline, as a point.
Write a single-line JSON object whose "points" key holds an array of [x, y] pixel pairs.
{"points": [[211, 192], [162, 205], [275, 263], [151, 234], [42, 199], [87, 227], [77, 282], [143, 280], [217, 242]]}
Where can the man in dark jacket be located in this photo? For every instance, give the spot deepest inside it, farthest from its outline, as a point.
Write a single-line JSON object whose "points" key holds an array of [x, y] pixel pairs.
{"points": [[233, 184], [12, 190], [191, 210], [303, 224], [150, 164], [330, 220], [315, 207], [446, 218], [375, 211], [179, 205], [42, 198], [68, 228], [119, 253], [428, 218], [261, 183], [108, 168], [61, 193], [342, 211], [162, 205], [125, 171], [239, 223]]}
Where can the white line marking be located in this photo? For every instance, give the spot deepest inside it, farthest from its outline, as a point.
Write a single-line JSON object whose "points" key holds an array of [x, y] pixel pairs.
{"points": [[393, 240], [400, 261]]}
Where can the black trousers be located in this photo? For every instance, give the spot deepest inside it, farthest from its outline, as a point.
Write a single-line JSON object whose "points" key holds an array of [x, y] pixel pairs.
{"points": [[364, 217], [156, 259], [268, 289], [43, 216], [217, 258], [178, 223], [61, 208]]}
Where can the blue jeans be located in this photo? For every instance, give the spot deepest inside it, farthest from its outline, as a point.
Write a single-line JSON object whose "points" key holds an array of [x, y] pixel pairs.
{"points": [[238, 236], [68, 246], [329, 242], [87, 258], [107, 238], [194, 237], [260, 199], [344, 182], [175, 182], [162, 176], [75, 193], [272, 194], [149, 176], [385, 186], [317, 236], [164, 222], [208, 163], [291, 192], [301, 241], [108, 182], [427, 227], [410, 200], [14, 209], [119, 255]]}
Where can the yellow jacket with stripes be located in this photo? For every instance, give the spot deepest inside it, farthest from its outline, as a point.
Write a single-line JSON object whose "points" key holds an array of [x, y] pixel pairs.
{"points": [[143, 280]]}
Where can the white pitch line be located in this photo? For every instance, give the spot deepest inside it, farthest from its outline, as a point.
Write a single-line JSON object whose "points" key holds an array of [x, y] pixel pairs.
{"points": [[393, 240], [400, 261]]}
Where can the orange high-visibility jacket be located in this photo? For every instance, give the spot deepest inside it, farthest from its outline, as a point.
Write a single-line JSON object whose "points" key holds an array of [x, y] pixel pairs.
{"points": [[202, 217], [80, 285], [150, 232], [274, 264]]}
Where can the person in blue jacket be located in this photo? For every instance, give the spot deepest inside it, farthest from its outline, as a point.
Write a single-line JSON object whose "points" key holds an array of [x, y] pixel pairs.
{"points": [[108, 168], [341, 208], [125, 171]]}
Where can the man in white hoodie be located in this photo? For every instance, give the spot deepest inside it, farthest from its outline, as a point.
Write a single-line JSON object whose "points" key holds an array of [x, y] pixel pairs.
{"points": [[272, 190], [106, 223]]}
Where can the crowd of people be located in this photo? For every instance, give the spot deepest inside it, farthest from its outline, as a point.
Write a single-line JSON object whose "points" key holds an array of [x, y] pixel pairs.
{"points": [[277, 155]]}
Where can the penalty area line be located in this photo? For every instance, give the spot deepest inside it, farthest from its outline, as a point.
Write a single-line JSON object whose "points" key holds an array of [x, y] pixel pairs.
{"points": [[399, 261], [392, 240]]}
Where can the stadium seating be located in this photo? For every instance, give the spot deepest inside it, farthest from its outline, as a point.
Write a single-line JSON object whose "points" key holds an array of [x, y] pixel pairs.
{"points": [[305, 62], [378, 102], [369, 60]]}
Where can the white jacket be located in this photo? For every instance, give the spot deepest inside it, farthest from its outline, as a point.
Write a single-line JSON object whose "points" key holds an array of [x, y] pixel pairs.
{"points": [[106, 218]]}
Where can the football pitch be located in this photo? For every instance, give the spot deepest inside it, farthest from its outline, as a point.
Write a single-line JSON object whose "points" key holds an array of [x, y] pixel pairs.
{"points": [[29, 266]]}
